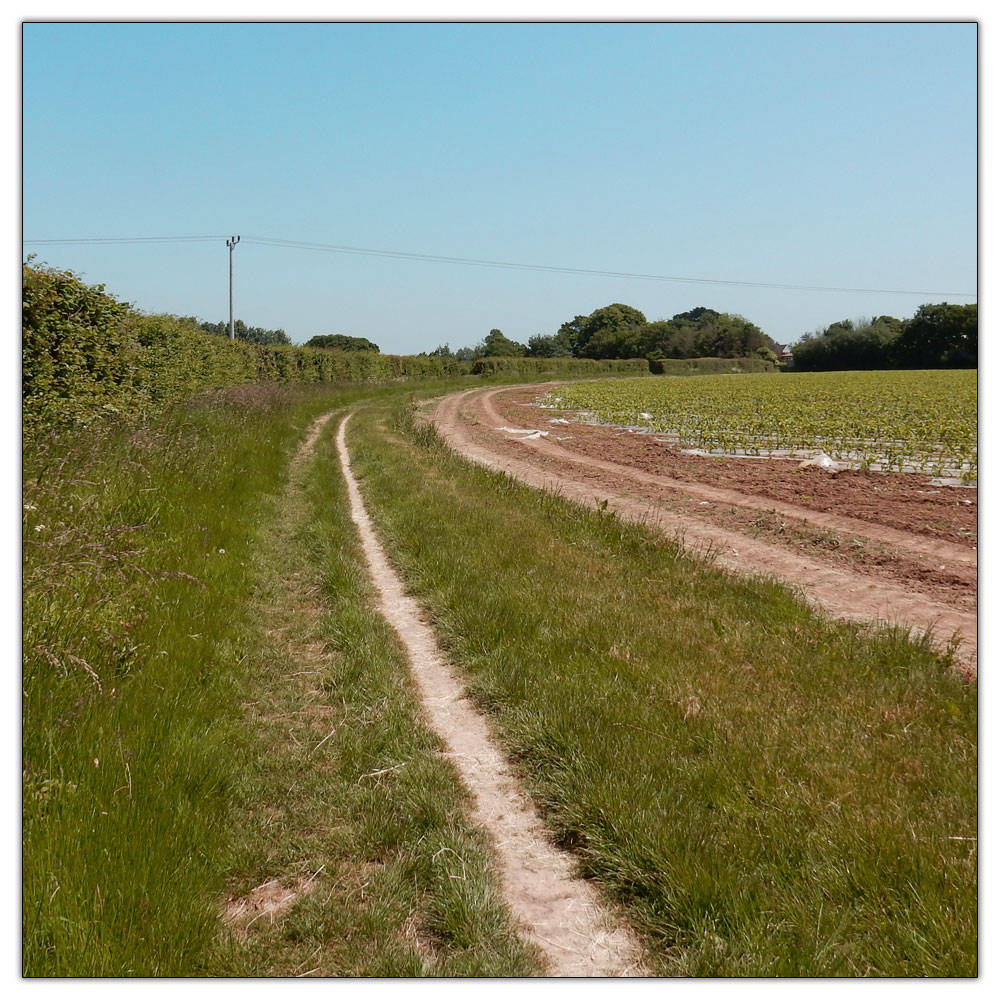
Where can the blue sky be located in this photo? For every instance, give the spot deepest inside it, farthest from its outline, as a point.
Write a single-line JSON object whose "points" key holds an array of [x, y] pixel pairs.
{"points": [[793, 154]]}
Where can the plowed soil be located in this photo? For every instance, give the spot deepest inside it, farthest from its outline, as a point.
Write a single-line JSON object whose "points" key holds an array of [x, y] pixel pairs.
{"points": [[860, 544]]}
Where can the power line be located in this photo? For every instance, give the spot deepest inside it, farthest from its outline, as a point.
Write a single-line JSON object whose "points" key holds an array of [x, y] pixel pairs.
{"points": [[278, 242], [123, 239]]}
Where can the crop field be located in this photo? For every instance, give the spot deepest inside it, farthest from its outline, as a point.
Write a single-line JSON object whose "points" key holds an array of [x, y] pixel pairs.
{"points": [[902, 421]]}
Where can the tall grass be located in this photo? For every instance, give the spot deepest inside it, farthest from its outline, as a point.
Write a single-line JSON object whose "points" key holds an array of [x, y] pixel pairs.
{"points": [[770, 793], [136, 622], [165, 730], [347, 781]]}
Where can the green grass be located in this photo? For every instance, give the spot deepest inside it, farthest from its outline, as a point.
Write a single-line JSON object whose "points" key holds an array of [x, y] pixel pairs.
{"points": [[348, 780], [136, 542], [769, 792], [210, 703], [159, 774]]}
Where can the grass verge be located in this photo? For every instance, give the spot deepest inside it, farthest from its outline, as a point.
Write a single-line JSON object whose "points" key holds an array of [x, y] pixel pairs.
{"points": [[151, 564], [769, 792]]}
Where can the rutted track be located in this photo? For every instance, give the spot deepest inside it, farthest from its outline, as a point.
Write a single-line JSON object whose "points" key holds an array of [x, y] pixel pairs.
{"points": [[470, 423], [560, 913]]}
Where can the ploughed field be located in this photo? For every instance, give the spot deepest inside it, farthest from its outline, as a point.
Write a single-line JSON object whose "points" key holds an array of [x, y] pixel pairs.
{"points": [[902, 421]]}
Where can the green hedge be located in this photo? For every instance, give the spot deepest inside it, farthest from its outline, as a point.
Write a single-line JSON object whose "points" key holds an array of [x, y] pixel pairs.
{"points": [[710, 366], [558, 367], [85, 356]]}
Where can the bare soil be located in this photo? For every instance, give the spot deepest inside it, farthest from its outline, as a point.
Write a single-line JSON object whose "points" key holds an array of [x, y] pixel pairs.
{"points": [[861, 545], [269, 900]]}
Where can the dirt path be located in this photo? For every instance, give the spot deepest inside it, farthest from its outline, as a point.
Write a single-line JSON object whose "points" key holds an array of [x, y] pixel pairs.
{"points": [[923, 581], [560, 913]]}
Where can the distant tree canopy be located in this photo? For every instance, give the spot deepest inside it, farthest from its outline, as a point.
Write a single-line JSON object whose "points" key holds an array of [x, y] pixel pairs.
{"points": [[549, 346], [251, 334], [621, 331], [496, 345], [342, 342], [613, 331], [937, 336], [941, 336]]}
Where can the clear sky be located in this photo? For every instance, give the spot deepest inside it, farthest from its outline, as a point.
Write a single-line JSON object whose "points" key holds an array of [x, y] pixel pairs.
{"points": [[815, 154]]}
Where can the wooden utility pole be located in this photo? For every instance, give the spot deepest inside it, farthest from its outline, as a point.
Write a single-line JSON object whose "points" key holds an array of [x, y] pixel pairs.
{"points": [[231, 243]]}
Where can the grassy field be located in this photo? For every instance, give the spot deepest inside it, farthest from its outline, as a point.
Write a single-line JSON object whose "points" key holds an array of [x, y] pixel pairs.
{"points": [[769, 792], [897, 420], [211, 705]]}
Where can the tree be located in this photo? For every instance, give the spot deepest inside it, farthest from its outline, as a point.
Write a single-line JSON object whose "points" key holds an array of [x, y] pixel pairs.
{"points": [[667, 339], [496, 345], [849, 345], [612, 331], [570, 333], [342, 342], [940, 336], [549, 346], [705, 333], [250, 334]]}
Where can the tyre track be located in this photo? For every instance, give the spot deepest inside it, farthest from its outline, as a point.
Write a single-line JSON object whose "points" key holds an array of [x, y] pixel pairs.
{"points": [[932, 548], [561, 914]]}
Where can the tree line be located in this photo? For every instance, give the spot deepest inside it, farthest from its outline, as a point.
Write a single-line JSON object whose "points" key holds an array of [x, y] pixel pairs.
{"points": [[622, 331], [258, 335], [936, 336], [248, 334]]}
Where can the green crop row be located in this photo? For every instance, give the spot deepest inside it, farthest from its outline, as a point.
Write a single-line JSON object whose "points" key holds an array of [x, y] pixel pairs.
{"points": [[919, 421]]}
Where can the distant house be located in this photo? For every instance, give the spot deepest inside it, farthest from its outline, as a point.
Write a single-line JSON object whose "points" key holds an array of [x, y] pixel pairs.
{"points": [[785, 357]]}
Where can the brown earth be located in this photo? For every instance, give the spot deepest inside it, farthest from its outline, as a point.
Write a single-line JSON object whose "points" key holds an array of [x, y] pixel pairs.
{"points": [[862, 545]]}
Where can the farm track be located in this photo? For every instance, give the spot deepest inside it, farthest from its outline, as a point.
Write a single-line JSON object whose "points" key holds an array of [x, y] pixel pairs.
{"points": [[560, 913], [924, 582]]}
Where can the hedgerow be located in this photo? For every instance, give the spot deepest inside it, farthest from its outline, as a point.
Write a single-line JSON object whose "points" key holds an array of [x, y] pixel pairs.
{"points": [[559, 367], [86, 356], [709, 366]]}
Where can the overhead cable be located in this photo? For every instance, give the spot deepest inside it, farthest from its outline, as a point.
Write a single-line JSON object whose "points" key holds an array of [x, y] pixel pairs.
{"points": [[274, 241]]}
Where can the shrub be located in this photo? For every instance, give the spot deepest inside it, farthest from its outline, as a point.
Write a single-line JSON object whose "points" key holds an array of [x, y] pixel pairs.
{"points": [[709, 366], [73, 358], [559, 367]]}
